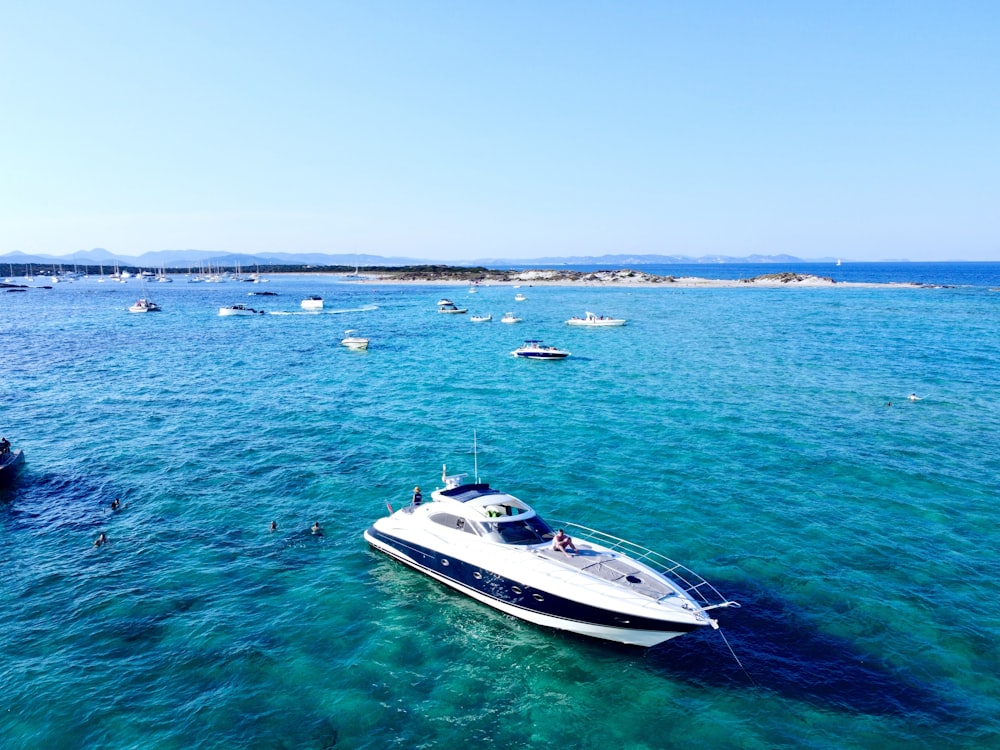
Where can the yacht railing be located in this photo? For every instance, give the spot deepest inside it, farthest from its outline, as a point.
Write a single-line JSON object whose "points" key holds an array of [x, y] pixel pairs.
{"points": [[704, 594]]}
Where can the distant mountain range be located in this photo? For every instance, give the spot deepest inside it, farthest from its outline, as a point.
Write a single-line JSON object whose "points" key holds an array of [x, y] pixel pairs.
{"points": [[195, 258]]}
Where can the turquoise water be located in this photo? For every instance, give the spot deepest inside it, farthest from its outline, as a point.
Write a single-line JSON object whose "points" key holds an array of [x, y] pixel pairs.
{"points": [[744, 432]]}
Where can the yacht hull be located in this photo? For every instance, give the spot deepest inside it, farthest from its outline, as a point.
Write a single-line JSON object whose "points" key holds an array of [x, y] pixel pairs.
{"points": [[530, 603]]}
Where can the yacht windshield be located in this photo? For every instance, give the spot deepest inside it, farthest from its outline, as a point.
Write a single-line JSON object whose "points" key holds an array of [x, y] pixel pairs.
{"points": [[523, 531]]}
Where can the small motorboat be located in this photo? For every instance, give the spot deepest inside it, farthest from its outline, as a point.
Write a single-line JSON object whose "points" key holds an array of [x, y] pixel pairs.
{"points": [[451, 307], [481, 318], [534, 349], [519, 297], [495, 548], [595, 321], [354, 342], [9, 463], [144, 305], [510, 318], [239, 310], [312, 303]]}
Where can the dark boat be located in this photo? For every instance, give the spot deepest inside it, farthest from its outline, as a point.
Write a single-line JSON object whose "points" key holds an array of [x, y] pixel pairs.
{"points": [[9, 463]]}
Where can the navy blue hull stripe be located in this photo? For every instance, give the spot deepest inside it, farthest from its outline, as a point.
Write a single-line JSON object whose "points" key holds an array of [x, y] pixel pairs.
{"points": [[512, 593]]}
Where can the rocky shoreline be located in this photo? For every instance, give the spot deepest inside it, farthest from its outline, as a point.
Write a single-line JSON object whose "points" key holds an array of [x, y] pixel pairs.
{"points": [[620, 277]]}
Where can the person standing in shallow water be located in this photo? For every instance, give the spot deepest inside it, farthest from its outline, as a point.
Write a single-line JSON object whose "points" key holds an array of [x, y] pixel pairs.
{"points": [[417, 497]]}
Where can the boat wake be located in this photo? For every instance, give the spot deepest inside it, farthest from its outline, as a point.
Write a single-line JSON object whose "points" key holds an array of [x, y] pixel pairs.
{"points": [[313, 313]]}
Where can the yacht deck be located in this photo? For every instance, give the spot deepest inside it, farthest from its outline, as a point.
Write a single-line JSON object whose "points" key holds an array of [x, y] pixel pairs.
{"points": [[612, 568]]}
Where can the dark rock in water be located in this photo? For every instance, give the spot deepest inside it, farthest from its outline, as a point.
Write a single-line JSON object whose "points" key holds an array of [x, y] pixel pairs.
{"points": [[786, 277]]}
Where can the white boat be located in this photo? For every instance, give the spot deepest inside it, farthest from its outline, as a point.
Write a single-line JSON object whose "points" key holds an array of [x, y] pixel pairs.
{"points": [[239, 310], [495, 548], [595, 321], [519, 297], [312, 303], [534, 349], [450, 307], [143, 306], [510, 318], [481, 318], [354, 342]]}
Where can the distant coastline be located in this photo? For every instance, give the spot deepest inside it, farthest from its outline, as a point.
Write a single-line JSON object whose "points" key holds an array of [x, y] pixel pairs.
{"points": [[904, 275], [619, 277]]}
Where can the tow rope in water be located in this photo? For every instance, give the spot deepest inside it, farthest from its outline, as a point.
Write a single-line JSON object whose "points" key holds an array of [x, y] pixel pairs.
{"points": [[735, 657]]}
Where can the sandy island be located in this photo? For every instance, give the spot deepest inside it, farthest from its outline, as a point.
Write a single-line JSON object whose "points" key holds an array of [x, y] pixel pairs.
{"points": [[622, 277]]}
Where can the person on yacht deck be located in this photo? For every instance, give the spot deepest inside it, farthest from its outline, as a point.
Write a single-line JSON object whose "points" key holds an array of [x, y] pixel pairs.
{"points": [[562, 542]]}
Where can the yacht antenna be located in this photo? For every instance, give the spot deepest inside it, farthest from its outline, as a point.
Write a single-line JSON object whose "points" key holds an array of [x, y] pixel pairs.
{"points": [[475, 455]]}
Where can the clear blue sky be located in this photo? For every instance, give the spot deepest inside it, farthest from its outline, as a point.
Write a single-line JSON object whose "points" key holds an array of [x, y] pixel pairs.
{"points": [[464, 130]]}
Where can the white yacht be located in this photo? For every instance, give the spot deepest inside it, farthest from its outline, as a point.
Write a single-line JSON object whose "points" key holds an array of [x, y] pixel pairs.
{"points": [[481, 318], [495, 548], [519, 297], [595, 321], [510, 318], [534, 349], [312, 303], [353, 342], [450, 307], [239, 310]]}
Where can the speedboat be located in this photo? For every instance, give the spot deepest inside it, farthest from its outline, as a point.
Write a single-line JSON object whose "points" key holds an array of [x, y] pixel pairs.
{"points": [[239, 310], [9, 462], [312, 303], [144, 305], [354, 342], [481, 318], [495, 548], [510, 318], [595, 321], [533, 349], [450, 307], [519, 297]]}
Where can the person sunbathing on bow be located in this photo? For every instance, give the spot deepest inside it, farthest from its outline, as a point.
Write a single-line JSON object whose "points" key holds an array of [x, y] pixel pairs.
{"points": [[563, 542]]}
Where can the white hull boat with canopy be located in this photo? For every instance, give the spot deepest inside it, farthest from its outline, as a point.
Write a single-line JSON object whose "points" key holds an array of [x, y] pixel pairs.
{"points": [[496, 549], [595, 321]]}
